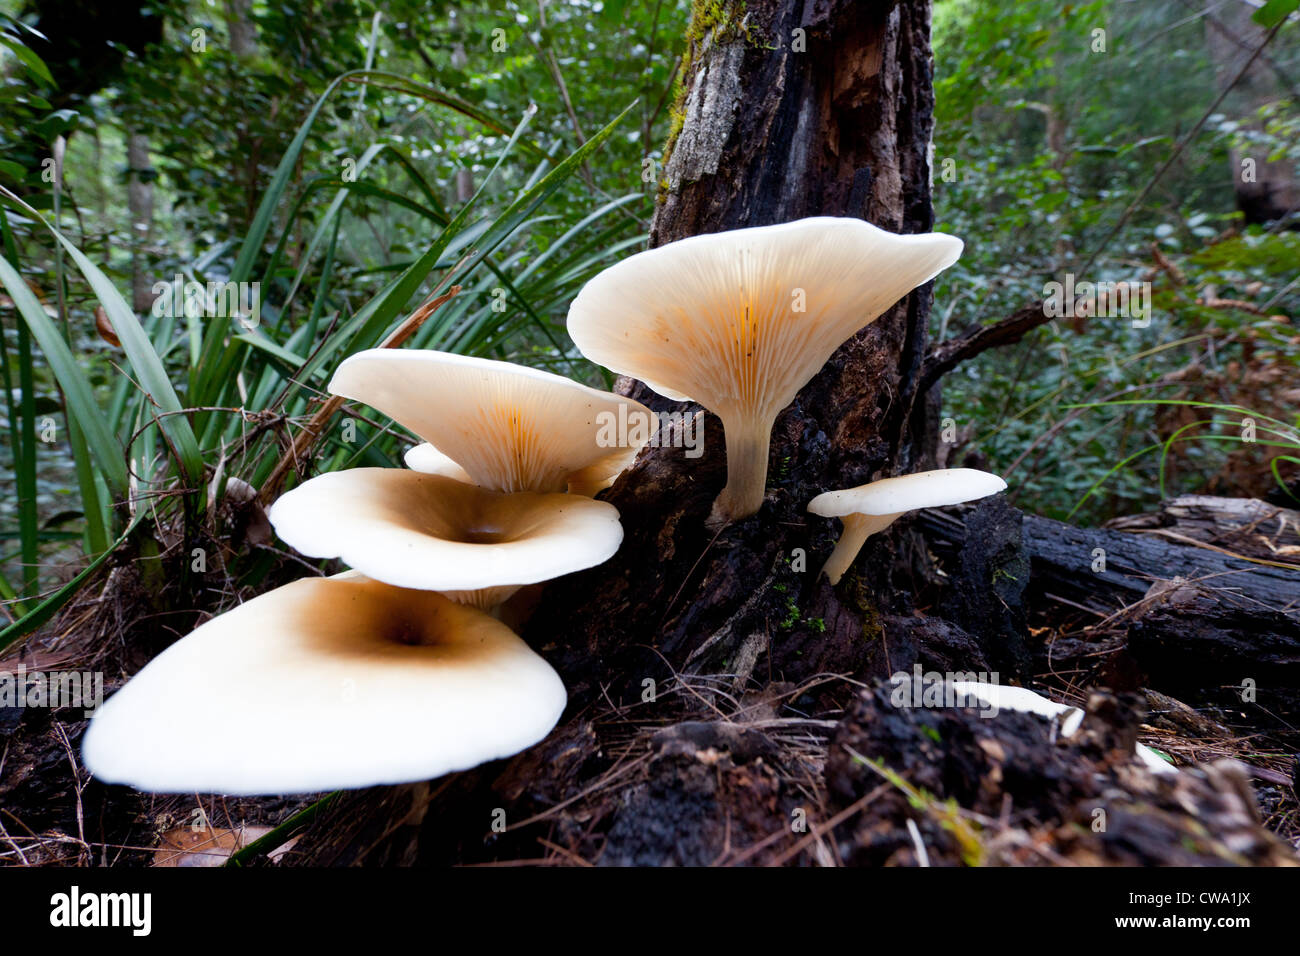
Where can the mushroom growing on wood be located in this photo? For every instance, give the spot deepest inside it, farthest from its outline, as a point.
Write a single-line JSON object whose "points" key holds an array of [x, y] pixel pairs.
{"points": [[740, 321], [873, 507], [511, 428], [1025, 701], [322, 684], [414, 530]]}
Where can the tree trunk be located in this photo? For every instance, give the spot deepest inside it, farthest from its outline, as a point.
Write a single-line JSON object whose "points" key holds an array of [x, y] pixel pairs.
{"points": [[243, 32], [778, 125], [791, 110], [1266, 190]]}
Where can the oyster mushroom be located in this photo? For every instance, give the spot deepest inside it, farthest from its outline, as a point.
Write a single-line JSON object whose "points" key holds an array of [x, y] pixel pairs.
{"points": [[414, 530], [322, 684], [509, 427], [740, 321], [873, 507]]}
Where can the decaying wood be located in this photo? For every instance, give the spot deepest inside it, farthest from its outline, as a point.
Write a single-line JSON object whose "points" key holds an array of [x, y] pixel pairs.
{"points": [[771, 135], [1244, 526], [1190, 618], [1128, 564], [1010, 791]]}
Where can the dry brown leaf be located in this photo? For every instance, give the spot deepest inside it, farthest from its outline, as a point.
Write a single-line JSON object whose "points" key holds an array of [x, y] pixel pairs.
{"points": [[208, 846], [105, 328]]}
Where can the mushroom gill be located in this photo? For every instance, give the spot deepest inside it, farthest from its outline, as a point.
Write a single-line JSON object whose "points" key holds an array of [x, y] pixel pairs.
{"points": [[509, 427], [740, 321]]}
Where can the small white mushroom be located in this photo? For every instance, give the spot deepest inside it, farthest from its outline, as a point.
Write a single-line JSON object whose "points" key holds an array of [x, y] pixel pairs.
{"points": [[873, 507], [509, 427], [414, 530], [740, 321], [1025, 701], [322, 684]]}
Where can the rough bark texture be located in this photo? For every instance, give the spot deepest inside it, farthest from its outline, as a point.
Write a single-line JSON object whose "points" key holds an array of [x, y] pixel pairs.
{"points": [[1164, 612], [770, 135]]}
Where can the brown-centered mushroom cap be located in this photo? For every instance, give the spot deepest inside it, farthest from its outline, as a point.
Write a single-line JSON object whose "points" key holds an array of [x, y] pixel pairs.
{"points": [[322, 684], [415, 530]]}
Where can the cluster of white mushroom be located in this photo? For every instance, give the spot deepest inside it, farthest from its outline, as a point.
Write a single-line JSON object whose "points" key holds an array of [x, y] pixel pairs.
{"points": [[396, 670]]}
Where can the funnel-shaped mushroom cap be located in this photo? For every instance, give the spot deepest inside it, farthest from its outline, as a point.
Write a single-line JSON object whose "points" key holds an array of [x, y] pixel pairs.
{"points": [[413, 530], [873, 507], [740, 321], [511, 428], [1025, 701], [894, 496], [322, 684]]}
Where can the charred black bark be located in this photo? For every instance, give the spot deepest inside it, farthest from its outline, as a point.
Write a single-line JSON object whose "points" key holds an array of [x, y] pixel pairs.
{"points": [[771, 134]]}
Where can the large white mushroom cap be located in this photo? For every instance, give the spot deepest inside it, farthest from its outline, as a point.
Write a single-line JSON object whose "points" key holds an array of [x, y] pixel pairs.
{"points": [[416, 530], [1023, 700], [873, 507], [511, 428], [326, 683], [740, 321]]}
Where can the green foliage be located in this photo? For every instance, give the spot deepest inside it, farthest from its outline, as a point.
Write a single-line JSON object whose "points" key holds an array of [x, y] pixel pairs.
{"points": [[1274, 12], [322, 165], [1050, 122]]}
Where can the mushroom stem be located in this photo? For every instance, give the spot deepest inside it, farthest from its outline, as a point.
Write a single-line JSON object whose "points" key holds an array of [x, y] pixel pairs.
{"points": [[485, 599], [748, 441], [857, 529]]}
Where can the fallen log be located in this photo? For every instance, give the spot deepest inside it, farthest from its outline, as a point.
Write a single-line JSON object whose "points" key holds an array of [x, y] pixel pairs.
{"points": [[1246, 526], [1105, 571], [1182, 616]]}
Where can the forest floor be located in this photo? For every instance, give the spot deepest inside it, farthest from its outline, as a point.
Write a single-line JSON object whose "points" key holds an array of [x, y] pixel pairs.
{"points": [[726, 769]]}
